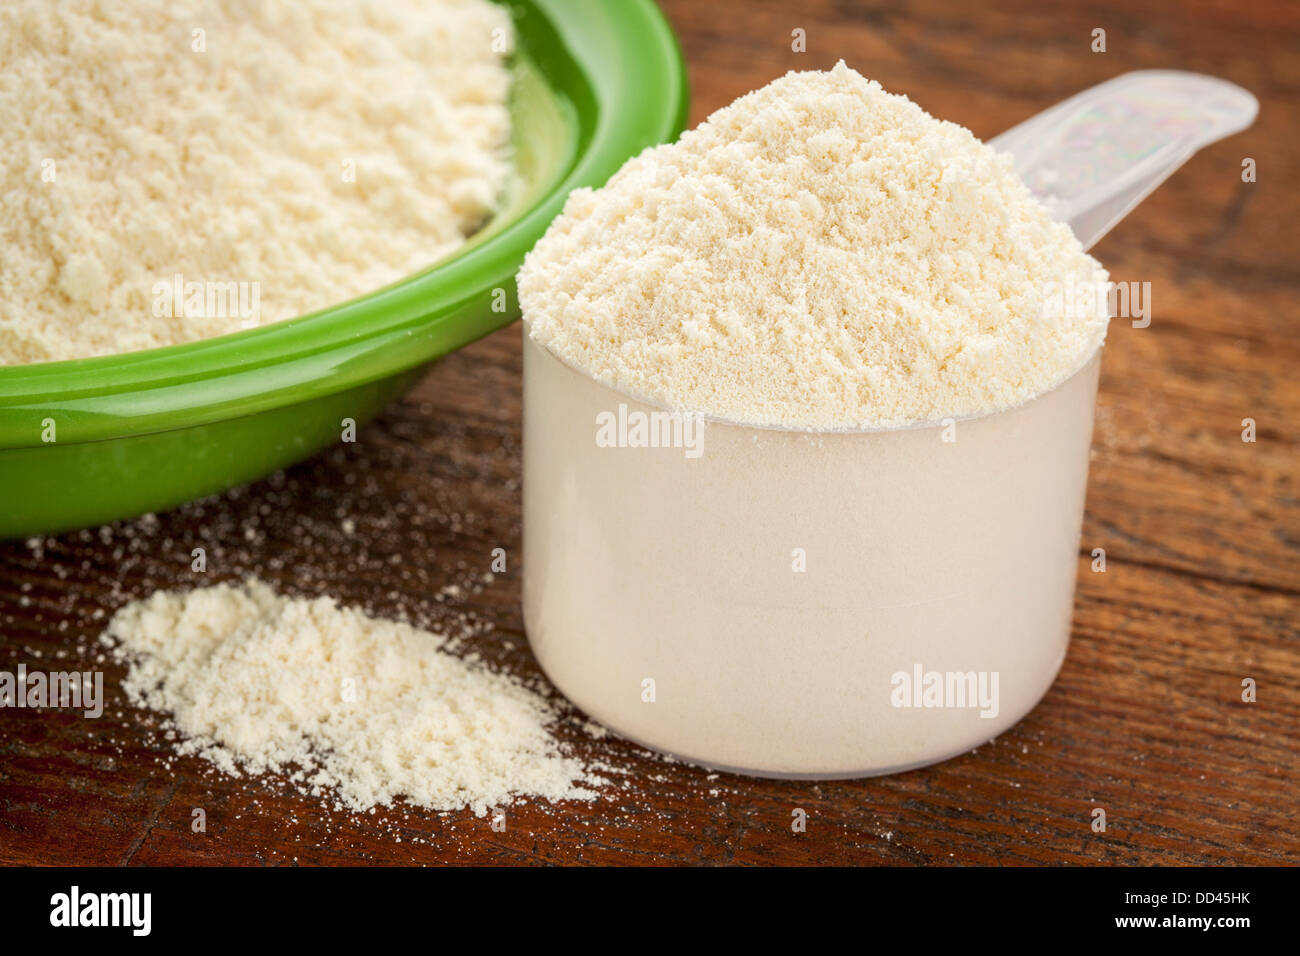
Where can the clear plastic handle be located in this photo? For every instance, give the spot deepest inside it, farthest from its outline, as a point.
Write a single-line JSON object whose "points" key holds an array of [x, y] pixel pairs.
{"points": [[1092, 158]]}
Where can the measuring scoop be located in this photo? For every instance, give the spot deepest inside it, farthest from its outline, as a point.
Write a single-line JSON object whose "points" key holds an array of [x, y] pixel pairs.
{"points": [[941, 555]]}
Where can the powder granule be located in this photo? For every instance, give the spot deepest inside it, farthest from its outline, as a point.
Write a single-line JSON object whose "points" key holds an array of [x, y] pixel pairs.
{"points": [[317, 149], [818, 254], [369, 709]]}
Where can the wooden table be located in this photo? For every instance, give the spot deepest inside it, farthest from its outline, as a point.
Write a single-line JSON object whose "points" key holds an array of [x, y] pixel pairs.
{"points": [[1146, 721]]}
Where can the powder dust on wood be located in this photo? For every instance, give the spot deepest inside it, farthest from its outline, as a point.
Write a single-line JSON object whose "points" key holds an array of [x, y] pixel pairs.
{"points": [[367, 709]]}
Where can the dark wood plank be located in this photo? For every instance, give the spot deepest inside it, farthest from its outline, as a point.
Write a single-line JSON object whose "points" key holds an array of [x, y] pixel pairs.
{"points": [[1201, 532]]}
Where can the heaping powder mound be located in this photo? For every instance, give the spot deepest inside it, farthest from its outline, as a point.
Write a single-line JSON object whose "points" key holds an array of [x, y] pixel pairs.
{"points": [[818, 254], [365, 709], [317, 149]]}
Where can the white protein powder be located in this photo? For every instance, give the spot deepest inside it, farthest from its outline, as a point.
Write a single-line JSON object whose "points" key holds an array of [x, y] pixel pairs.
{"points": [[818, 254], [366, 709], [318, 149]]}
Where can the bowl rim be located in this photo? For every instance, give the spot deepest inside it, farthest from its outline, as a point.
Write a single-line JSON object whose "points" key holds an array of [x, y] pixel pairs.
{"points": [[616, 70]]}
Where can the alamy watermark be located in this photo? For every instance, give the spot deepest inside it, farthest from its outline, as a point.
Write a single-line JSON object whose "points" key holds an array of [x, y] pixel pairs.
{"points": [[133, 911], [632, 428], [176, 298], [77, 690], [945, 689], [1121, 300]]}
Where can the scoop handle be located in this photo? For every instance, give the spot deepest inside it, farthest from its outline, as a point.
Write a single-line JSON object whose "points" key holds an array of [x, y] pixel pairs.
{"points": [[1092, 158]]}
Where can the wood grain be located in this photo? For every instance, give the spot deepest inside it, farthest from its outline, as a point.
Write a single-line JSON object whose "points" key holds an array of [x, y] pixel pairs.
{"points": [[1200, 529]]}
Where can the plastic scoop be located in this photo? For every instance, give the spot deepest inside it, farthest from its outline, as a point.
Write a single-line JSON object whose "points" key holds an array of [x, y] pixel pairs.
{"points": [[1092, 158], [953, 541]]}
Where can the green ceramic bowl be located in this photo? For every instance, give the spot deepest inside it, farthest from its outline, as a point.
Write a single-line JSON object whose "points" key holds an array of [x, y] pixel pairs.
{"points": [[594, 83]]}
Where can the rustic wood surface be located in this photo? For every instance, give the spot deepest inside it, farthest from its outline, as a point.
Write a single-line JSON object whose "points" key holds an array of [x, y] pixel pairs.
{"points": [[1146, 721]]}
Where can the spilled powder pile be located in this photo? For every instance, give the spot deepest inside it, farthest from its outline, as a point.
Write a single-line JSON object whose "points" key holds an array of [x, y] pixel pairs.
{"points": [[318, 149], [367, 709], [818, 254]]}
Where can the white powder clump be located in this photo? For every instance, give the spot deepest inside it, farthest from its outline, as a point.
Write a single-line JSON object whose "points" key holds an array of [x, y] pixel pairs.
{"points": [[818, 254], [319, 149], [366, 708]]}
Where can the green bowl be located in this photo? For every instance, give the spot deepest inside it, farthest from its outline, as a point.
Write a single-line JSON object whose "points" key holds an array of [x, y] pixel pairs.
{"points": [[92, 440]]}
